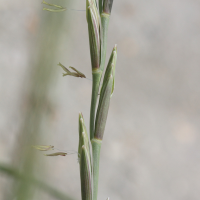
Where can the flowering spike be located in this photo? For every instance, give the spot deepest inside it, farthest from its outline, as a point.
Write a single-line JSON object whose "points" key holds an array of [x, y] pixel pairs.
{"points": [[77, 74], [93, 19], [83, 136], [86, 175], [106, 92]]}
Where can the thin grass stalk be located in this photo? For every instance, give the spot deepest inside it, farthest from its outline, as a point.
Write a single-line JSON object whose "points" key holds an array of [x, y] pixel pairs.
{"points": [[105, 10], [105, 18], [96, 148], [93, 19], [100, 6], [99, 130], [97, 140], [96, 78], [101, 117]]}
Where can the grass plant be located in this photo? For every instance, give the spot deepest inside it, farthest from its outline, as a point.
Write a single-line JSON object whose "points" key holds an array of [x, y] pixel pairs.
{"points": [[98, 15]]}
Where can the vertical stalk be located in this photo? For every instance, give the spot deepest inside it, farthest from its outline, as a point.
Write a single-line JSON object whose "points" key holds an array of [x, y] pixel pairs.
{"points": [[101, 117], [100, 6], [98, 28], [96, 148], [93, 19], [104, 32], [96, 77], [105, 10]]}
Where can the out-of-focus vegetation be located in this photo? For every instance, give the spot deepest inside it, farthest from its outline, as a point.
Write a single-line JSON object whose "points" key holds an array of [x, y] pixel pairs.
{"points": [[38, 109], [31, 181]]}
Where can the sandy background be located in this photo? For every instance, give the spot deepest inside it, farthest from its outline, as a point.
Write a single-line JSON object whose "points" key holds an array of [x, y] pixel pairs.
{"points": [[151, 145]]}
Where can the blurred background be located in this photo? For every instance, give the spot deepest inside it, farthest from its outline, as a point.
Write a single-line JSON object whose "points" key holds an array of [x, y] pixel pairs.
{"points": [[151, 145]]}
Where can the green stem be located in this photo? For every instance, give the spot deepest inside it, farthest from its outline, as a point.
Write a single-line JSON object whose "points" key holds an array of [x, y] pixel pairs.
{"points": [[96, 74], [100, 6], [104, 30], [96, 77], [96, 147]]}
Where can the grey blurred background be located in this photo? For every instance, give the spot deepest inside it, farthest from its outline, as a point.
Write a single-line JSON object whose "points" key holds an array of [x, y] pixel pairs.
{"points": [[151, 145]]}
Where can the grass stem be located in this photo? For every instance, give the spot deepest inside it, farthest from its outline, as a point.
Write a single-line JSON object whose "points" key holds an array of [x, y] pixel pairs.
{"points": [[96, 148], [96, 77]]}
